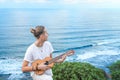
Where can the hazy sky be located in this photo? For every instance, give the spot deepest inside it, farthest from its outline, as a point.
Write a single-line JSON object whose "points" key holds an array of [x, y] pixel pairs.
{"points": [[59, 3]]}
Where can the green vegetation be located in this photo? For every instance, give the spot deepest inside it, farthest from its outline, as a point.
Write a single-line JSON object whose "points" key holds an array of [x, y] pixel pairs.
{"points": [[115, 70], [77, 71]]}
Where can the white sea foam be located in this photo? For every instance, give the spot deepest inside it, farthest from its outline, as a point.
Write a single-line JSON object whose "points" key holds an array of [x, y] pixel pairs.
{"points": [[10, 66], [90, 54], [107, 41], [13, 67]]}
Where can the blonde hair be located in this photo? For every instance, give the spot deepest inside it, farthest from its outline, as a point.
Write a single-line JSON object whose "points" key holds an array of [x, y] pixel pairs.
{"points": [[37, 31]]}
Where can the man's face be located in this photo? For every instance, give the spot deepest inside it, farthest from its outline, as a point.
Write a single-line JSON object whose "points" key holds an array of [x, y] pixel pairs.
{"points": [[45, 35]]}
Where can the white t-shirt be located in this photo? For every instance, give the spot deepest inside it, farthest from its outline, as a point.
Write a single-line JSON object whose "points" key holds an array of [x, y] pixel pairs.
{"points": [[33, 53]]}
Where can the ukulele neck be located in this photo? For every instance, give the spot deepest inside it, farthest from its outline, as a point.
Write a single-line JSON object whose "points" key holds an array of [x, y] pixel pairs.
{"points": [[56, 58]]}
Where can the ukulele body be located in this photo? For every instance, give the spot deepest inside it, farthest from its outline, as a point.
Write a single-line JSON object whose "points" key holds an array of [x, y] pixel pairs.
{"points": [[37, 62]]}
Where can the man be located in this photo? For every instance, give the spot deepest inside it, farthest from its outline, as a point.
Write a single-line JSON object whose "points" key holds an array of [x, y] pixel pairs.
{"points": [[40, 49]]}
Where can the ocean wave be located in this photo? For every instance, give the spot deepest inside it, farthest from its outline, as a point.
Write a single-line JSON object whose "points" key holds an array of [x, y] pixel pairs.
{"points": [[95, 53], [10, 66], [107, 41], [74, 48]]}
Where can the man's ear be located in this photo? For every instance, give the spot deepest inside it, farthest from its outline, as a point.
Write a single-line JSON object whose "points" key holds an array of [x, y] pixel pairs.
{"points": [[41, 36]]}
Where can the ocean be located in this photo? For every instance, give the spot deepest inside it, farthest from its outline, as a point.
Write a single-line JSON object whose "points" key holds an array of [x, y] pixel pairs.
{"points": [[94, 35]]}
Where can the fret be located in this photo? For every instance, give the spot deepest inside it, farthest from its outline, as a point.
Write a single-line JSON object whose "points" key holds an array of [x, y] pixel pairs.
{"points": [[56, 58]]}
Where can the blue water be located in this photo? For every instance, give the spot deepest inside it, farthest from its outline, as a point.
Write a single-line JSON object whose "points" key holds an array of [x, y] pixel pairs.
{"points": [[94, 34]]}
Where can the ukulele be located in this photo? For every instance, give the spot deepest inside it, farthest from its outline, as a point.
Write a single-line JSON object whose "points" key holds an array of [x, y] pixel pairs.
{"points": [[49, 61]]}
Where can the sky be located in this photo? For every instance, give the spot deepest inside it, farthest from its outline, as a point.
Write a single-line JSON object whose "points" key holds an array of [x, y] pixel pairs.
{"points": [[59, 3]]}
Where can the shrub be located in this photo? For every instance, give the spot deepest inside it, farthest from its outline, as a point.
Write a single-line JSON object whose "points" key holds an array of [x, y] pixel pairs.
{"points": [[115, 70], [77, 71]]}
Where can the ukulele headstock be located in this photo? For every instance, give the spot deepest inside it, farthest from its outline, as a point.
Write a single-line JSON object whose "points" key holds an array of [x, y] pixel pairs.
{"points": [[70, 52]]}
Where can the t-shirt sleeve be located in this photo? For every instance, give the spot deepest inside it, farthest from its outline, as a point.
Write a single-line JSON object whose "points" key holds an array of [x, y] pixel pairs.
{"points": [[28, 55]]}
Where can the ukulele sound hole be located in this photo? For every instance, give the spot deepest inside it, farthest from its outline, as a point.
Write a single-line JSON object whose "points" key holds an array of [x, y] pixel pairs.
{"points": [[46, 63]]}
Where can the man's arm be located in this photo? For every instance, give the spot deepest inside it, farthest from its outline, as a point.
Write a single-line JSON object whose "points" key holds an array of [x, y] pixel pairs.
{"points": [[25, 67]]}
